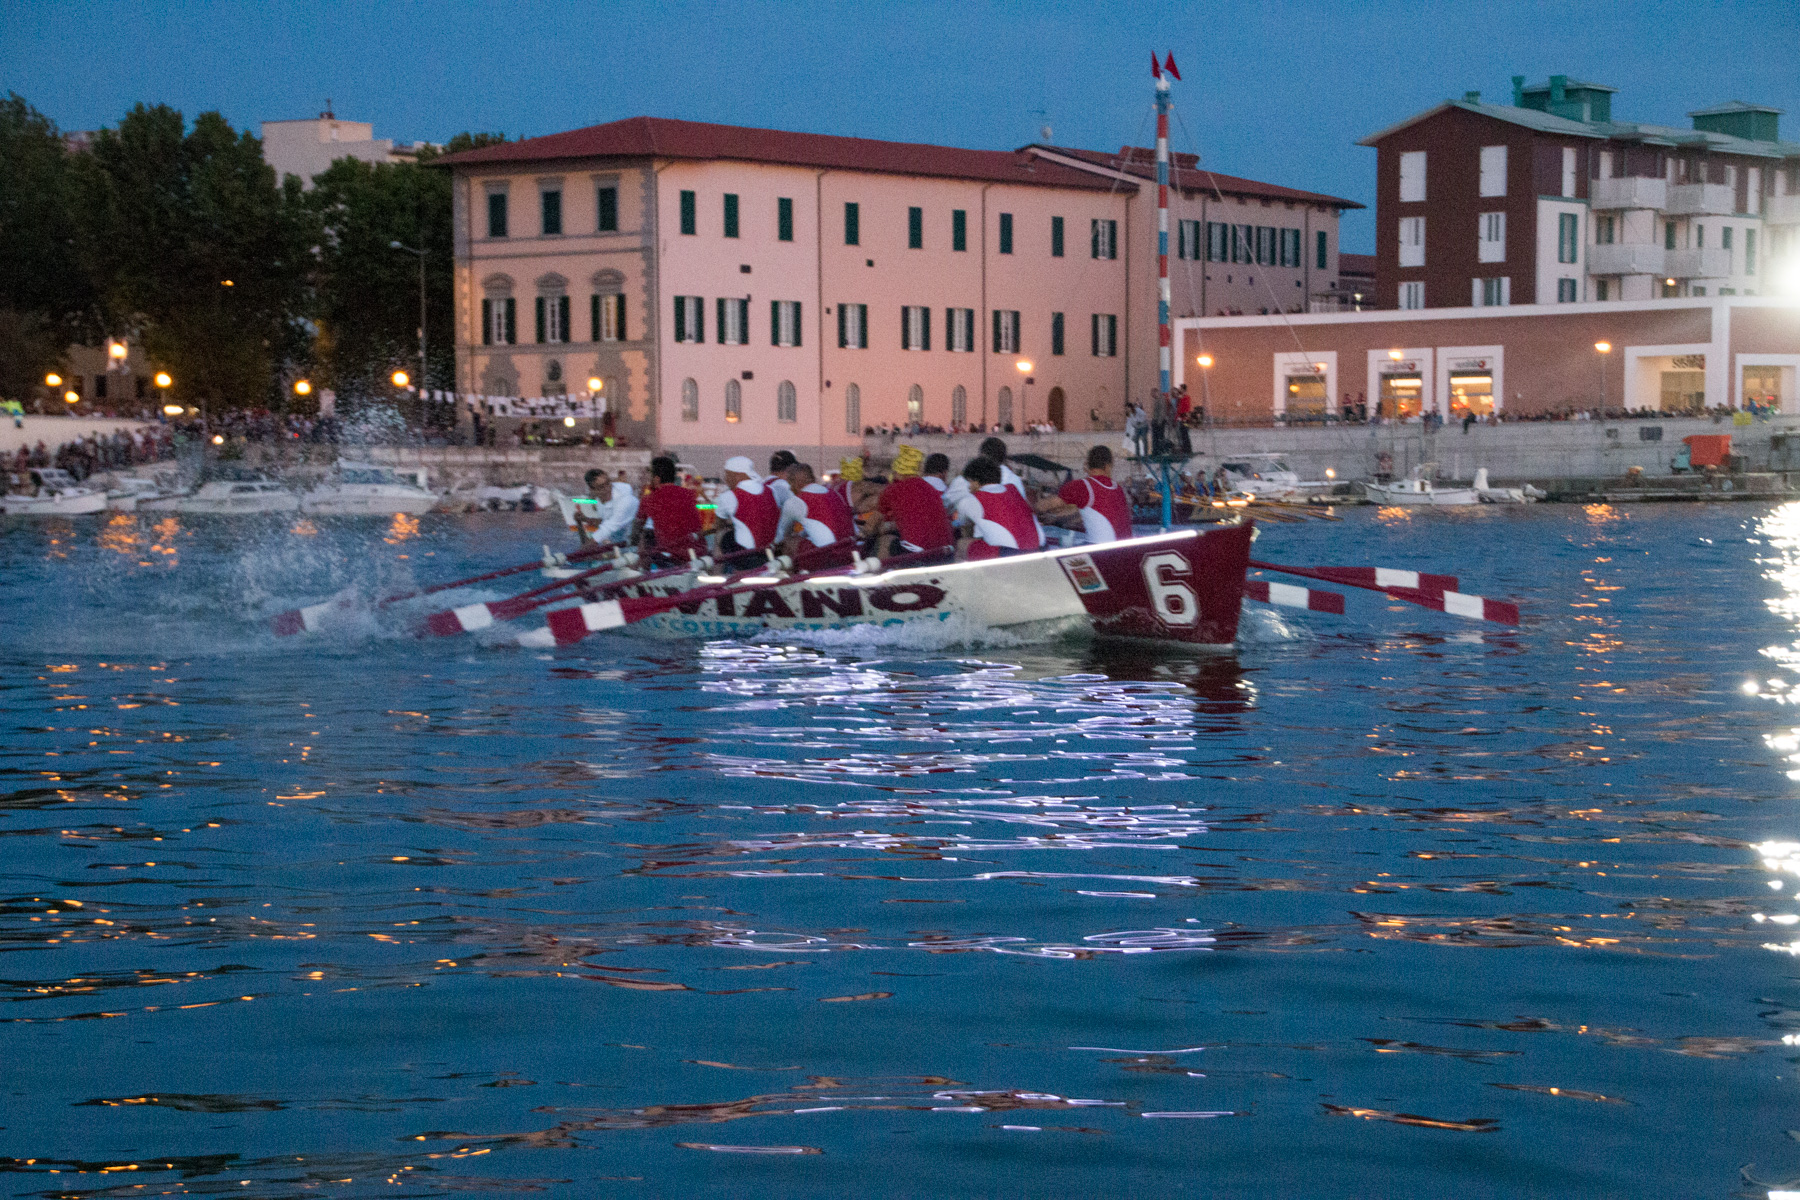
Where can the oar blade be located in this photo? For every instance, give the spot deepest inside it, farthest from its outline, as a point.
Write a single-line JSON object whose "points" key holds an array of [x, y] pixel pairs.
{"points": [[1461, 604]]}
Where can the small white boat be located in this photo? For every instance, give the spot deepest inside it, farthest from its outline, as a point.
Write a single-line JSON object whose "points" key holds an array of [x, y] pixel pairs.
{"points": [[1494, 495], [228, 497], [365, 490], [54, 493], [1418, 489], [470, 496], [129, 491], [1267, 477]]}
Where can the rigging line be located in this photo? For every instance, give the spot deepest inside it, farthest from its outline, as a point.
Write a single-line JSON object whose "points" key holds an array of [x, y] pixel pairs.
{"points": [[1291, 328]]}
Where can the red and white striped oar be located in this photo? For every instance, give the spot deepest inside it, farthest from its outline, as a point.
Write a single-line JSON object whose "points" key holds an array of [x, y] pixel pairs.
{"points": [[470, 617], [1457, 604], [1431, 591], [1290, 595], [308, 619]]}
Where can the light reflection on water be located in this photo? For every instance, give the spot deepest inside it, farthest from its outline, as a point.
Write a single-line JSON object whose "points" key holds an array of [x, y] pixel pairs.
{"points": [[365, 913]]}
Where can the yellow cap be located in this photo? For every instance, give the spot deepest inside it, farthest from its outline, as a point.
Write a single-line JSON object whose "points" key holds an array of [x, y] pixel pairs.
{"points": [[851, 469], [909, 460]]}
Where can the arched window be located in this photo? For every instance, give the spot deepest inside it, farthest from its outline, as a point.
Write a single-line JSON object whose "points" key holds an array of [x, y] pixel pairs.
{"points": [[690, 400], [1005, 408], [853, 410], [915, 405], [959, 406], [734, 400], [784, 402]]}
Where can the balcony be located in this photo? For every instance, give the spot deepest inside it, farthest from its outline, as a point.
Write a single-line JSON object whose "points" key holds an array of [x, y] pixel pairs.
{"points": [[1781, 210], [1629, 193], [1639, 259], [1710, 263], [1701, 200]]}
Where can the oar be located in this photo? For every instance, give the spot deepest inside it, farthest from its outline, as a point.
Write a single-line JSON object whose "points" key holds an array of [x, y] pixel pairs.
{"points": [[305, 620], [566, 626], [1289, 595], [1427, 591]]}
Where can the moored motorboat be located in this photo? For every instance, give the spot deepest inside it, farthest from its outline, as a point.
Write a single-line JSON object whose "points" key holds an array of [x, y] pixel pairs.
{"points": [[365, 490], [1418, 489], [129, 491], [228, 497], [53, 493], [1505, 495], [1268, 478]]}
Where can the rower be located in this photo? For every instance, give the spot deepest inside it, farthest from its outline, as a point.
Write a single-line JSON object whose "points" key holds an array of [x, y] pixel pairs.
{"points": [[671, 519], [776, 479], [1105, 509], [1002, 520], [995, 450], [748, 503], [612, 510], [913, 503], [813, 513]]}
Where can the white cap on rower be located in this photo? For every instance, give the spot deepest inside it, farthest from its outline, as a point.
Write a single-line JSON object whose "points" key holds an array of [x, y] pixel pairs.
{"points": [[741, 466]]}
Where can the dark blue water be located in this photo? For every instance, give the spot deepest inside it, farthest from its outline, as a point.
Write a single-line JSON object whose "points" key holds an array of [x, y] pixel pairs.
{"points": [[1380, 905]]}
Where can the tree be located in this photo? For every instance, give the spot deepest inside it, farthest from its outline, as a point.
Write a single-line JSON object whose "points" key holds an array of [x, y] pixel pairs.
{"points": [[46, 300], [189, 240]]}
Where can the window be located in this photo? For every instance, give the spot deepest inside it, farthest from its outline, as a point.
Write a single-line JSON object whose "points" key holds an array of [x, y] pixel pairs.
{"points": [[915, 229], [690, 400], [731, 214], [1243, 248], [1491, 238], [1320, 237], [786, 408], [1490, 293], [853, 326], [1006, 331], [734, 321], [1105, 237], [1056, 333], [1568, 172], [1668, 235], [1004, 408], [1602, 290], [606, 318], [959, 229], [959, 329], [1412, 241], [1412, 176], [689, 218], [1006, 233], [1493, 170], [734, 400], [784, 219], [690, 319], [1603, 231], [499, 321], [915, 405], [606, 205], [550, 203], [496, 214], [852, 224], [915, 327], [552, 319], [1265, 246], [1218, 242], [959, 405], [1290, 247], [1056, 237], [1568, 237], [1566, 292], [853, 409], [1749, 251], [1412, 295], [784, 322], [1187, 239], [1106, 335], [1725, 237], [1700, 236]]}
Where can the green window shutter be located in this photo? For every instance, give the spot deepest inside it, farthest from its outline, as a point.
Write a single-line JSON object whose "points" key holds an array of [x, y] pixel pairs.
{"points": [[619, 318], [915, 229], [1749, 251], [996, 331], [551, 203], [487, 322], [1056, 333], [688, 217], [562, 318], [1056, 237], [681, 319], [774, 322], [797, 322], [925, 329], [497, 215], [512, 321], [719, 307], [1006, 233], [959, 229], [607, 206], [784, 219], [1321, 250], [905, 328], [540, 319], [852, 224], [843, 326], [594, 317], [1096, 336], [731, 214]]}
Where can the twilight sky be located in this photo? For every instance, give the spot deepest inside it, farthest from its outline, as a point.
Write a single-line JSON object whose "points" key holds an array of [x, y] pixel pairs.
{"points": [[1278, 90]]}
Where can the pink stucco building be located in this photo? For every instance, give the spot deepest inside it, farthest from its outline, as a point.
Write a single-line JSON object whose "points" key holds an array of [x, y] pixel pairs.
{"points": [[745, 289]]}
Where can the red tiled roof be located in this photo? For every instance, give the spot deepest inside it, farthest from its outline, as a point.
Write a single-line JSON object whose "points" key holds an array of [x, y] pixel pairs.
{"points": [[657, 137], [1185, 172], [1356, 264]]}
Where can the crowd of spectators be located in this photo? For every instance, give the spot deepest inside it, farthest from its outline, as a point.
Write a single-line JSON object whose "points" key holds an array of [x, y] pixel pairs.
{"points": [[83, 456]]}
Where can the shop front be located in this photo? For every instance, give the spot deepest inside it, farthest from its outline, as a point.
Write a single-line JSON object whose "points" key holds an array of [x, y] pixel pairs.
{"points": [[1402, 390]]}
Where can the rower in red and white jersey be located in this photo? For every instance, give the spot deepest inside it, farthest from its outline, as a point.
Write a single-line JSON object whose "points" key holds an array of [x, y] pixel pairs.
{"points": [[776, 479], [995, 449], [670, 517], [813, 511], [749, 505], [1105, 509], [1003, 522], [914, 505]]}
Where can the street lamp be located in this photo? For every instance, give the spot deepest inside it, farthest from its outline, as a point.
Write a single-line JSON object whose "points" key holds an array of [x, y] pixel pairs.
{"points": [[71, 397], [302, 387], [53, 380], [1605, 348], [596, 385], [1205, 362], [401, 379], [402, 246], [1024, 366]]}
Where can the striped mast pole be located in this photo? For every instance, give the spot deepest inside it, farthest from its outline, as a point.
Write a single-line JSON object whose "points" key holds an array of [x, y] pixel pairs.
{"points": [[1162, 264]]}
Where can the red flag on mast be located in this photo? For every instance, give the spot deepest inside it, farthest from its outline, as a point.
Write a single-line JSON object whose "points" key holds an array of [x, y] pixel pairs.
{"points": [[1154, 68], [1170, 66]]}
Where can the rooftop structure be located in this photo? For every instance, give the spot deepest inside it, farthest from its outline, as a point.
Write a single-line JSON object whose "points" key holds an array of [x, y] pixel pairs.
{"points": [[307, 147]]}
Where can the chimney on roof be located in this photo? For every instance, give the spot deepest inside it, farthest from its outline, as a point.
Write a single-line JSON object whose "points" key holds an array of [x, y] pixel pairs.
{"points": [[1558, 91], [1472, 97]]}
